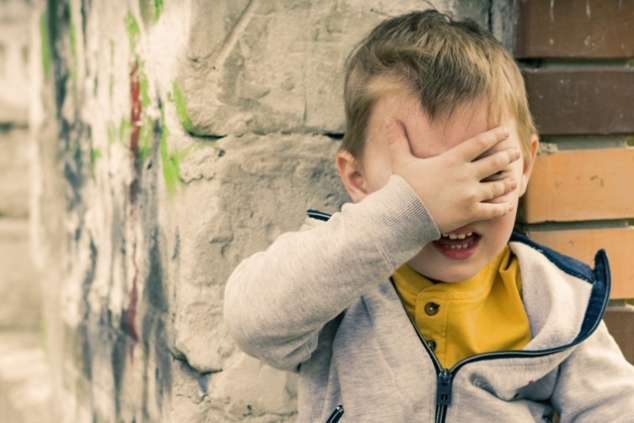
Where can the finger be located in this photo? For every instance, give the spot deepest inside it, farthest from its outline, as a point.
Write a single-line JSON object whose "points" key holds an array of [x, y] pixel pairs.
{"points": [[487, 211], [474, 147], [493, 190], [397, 139], [496, 162]]}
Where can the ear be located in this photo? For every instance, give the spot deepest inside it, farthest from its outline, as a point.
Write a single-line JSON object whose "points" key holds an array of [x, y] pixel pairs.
{"points": [[528, 163], [351, 176]]}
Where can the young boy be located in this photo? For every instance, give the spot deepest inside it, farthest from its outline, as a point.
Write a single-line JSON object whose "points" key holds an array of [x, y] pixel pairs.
{"points": [[417, 303]]}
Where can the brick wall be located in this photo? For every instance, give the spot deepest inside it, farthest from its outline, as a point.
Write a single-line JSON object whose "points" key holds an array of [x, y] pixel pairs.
{"points": [[578, 70]]}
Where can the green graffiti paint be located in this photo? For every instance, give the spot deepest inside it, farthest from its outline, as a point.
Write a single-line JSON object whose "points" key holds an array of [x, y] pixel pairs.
{"points": [[144, 85], [73, 43], [95, 154], [181, 108], [145, 139], [112, 133], [47, 61], [158, 9], [124, 129], [111, 81], [170, 168], [132, 26], [170, 160]]}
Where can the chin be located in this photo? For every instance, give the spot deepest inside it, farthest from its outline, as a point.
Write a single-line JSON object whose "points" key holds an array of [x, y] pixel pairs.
{"points": [[434, 265], [456, 276], [442, 271], [449, 274]]}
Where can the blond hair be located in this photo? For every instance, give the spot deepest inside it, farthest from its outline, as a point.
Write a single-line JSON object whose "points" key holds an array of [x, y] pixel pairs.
{"points": [[444, 63]]}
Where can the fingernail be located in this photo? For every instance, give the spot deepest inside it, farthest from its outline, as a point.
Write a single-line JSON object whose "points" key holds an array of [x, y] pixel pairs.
{"points": [[505, 131], [513, 184], [518, 153], [388, 123], [511, 207]]}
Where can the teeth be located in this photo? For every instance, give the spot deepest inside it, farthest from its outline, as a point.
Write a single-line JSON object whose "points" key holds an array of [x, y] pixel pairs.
{"points": [[457, 236], [459, 246]]}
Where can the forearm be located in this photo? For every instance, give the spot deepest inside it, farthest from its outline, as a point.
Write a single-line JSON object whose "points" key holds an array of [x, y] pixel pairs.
{"points": [[277, 301]]}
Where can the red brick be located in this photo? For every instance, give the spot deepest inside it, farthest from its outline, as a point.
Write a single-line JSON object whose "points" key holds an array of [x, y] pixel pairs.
{"points": [[581, 101], [583, 245], [581, 185], [581, 29]]}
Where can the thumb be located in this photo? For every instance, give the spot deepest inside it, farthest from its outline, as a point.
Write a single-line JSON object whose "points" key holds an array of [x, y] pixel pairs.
{"points": [[397, 140]]}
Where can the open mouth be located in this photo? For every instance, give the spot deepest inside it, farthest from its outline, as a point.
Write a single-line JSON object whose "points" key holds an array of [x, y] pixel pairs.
{"points": [[457, 246]]}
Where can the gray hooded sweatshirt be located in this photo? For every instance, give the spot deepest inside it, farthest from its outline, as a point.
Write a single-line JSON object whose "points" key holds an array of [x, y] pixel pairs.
{"points": [[320, 302]]}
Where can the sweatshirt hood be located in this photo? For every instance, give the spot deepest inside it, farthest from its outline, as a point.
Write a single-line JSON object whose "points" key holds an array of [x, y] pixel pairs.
{"points": [[564, 298]]}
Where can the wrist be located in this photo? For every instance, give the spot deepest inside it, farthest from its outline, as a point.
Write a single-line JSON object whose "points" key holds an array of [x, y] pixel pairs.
{"points": [[398, 219]]}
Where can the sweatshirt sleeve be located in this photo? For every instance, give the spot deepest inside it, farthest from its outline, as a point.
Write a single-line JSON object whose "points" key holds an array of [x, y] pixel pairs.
{"points": [[595, 383], [277, 301]]}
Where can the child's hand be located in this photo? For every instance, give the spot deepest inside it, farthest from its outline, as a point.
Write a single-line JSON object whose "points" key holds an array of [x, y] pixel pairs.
{"points": [[450, 184]]}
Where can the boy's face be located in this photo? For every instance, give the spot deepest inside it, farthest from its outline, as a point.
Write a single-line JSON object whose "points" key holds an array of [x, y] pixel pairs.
{"points": [[445, 259]]}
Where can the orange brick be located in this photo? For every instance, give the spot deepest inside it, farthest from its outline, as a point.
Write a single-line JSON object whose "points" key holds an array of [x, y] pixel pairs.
{"points": [[583, 245], [581, 185]]}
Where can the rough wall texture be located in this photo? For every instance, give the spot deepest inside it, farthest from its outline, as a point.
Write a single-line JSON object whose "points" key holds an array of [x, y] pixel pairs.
{"points": [[174, 139], [19, 289], [24, 391]]}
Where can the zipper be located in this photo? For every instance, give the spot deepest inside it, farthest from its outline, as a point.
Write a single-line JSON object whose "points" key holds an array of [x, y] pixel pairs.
{"points": [[336, 415], [444, 377], [443, 394]]}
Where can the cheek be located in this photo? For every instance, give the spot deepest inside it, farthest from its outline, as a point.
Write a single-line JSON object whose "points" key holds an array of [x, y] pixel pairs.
{"points": [[499, 229]]}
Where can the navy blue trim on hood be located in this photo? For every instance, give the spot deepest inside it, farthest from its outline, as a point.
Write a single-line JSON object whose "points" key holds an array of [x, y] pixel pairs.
{"points": [[599, 278], [316, 214]]}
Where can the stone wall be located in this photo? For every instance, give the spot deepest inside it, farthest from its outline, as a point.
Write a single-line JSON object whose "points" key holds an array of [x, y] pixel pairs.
{"points": [[174, 139], [24, 391], [18, 295]]}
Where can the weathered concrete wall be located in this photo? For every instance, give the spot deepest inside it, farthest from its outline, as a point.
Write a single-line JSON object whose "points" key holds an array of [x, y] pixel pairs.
{"points": [[24, 391], [14, 52], [19, 285], [174, 139]]}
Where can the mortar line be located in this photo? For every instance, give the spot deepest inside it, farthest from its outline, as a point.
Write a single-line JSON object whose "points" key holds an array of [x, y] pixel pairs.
{"points": [[580, 225]]}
